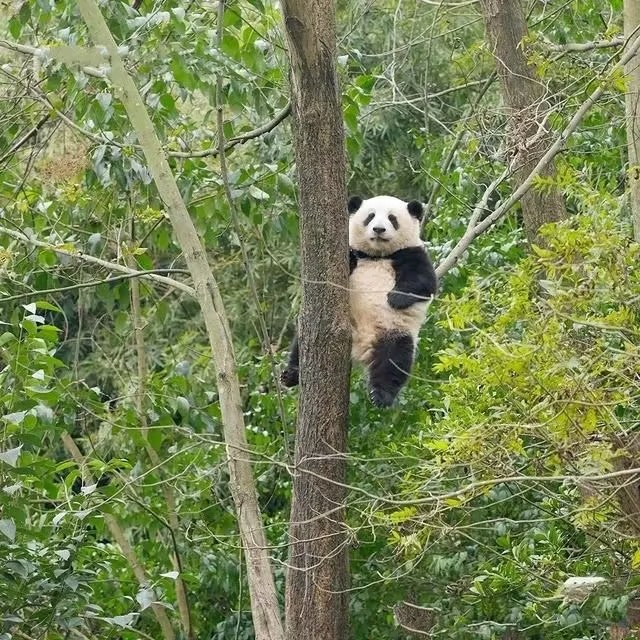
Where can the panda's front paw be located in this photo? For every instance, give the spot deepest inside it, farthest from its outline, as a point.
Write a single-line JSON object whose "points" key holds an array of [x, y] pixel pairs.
{"points": [[400, 300], [290, 377], [382, 398]]}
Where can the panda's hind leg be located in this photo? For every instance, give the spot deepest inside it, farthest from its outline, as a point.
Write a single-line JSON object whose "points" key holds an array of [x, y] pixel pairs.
{"points": [[389, 367]]}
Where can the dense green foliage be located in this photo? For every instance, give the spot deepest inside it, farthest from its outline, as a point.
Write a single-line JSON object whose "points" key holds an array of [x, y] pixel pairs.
{"points": [[528, 363]]}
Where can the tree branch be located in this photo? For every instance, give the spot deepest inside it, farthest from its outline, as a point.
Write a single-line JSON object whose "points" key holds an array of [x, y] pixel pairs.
{"points": [[633, 474], [89, 59], [91, 283], [585, 46], [82, 56], [18, 144], [241, 139], [105, 264], [473, 229]]}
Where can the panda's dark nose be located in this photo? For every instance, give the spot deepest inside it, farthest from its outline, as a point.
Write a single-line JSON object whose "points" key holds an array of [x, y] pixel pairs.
{"points": [[379, 230]]}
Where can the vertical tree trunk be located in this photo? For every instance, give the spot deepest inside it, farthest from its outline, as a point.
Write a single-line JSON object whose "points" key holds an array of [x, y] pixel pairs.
{"points": [[264, 600], [316, 601], [526, 106], [632, 99]]}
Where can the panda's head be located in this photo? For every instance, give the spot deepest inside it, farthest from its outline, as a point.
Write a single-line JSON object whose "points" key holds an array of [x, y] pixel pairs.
{"points": [[382, 225]]}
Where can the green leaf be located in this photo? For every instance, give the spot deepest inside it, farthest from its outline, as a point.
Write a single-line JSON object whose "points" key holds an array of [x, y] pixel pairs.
{"points": [[15, 418], [230, 45], [47, 258], [15, 27], [43, 304]]}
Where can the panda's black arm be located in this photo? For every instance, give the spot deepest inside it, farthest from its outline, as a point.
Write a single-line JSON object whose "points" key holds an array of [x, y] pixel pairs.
{"points": [[416, 279]]}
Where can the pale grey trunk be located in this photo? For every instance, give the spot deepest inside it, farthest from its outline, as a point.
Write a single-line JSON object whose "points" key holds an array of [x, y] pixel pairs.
{"points": [[632, 71], [525, 102]]}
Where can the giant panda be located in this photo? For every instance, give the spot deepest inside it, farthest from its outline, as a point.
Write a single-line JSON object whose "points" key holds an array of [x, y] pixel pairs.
{"points": [[391, 283]]}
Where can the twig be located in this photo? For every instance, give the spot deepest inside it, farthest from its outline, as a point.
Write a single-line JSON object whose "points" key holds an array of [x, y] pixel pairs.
{"points": [[18, 144], [454, 147], [202, 153], [473, 486], [105, 264]]}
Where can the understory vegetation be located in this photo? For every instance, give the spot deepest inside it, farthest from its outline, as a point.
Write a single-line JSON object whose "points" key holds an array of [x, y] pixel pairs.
{"points": [[508, 467]]}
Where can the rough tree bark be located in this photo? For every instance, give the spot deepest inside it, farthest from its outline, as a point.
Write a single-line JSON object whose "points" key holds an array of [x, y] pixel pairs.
{"points": [[264, 602], [526, 106], [632, 99], [316, 601]]}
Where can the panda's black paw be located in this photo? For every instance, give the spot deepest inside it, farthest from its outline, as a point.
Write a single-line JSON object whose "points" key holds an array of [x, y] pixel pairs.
{"points": [[290, 377], [400, 300], [382, 397]]}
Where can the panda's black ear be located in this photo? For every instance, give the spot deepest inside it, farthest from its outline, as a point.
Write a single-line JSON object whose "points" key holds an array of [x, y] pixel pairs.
{"points": [[354, 204], [415, 209]]}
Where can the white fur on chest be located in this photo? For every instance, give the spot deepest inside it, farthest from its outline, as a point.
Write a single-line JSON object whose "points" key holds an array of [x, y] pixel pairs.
{"points": [[371, 315]]}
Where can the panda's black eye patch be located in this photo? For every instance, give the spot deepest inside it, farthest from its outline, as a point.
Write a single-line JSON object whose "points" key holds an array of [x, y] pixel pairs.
{"points": [[394, 221], [368, 219]]}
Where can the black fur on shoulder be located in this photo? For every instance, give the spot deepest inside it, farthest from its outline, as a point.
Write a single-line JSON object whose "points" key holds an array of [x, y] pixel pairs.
{"points": [[390, 366], [355, 202], [416, 279], [416, 209]]}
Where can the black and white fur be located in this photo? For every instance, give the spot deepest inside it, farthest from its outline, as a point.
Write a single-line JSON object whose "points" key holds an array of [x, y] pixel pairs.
{"points": [[391, 283]]}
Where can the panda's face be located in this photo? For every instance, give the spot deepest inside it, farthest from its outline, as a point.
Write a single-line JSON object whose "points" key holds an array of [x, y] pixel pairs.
{"points": [[382, 225]]}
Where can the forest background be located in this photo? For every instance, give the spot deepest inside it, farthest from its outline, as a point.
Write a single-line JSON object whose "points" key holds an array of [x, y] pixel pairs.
{"points": [[498, 499]]}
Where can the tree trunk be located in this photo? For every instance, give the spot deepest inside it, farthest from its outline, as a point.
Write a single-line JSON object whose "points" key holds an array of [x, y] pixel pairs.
{"points": [[316, 600], [264, 601], [632, 99], [526, 106]]}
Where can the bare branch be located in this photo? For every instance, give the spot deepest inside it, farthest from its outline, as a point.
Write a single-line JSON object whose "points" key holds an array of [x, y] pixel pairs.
{"points": [[20, 142], [446, 164], [586, 46], [89, 59], [633, 474], [241, 139], [90, 283], [105, 264]]}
